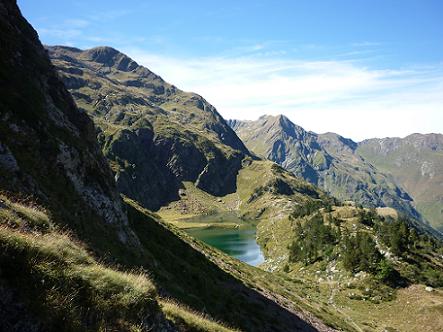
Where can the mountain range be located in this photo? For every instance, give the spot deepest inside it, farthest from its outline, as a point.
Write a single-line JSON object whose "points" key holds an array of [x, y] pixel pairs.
{"points": [[398, 173], [416, 163]]}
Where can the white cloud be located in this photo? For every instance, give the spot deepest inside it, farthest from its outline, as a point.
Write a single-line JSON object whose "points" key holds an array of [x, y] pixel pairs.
{"points": [[341, 96]]}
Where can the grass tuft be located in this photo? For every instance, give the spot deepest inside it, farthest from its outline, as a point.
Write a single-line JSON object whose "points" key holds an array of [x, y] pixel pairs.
{"points": [[189, 319]]}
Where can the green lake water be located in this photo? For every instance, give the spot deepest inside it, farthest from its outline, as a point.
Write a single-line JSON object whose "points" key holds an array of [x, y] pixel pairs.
{"points": [[238, 243]]}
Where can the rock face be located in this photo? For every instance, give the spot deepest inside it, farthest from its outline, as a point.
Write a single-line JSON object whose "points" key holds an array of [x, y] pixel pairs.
{"points": [[328, 160], [48, 147], [154, 135], [416, 162]]}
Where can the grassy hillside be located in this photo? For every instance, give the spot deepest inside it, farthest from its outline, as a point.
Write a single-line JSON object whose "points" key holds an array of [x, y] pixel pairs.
{"points": [[265, 191], [416, 162], [52, 279]]}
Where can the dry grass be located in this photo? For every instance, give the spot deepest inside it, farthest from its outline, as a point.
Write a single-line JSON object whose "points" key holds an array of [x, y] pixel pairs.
{"points": [[190, 319], [20, 214], [62, 282]]}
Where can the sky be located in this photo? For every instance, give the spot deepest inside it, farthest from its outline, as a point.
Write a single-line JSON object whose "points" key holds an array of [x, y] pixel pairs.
{"points": [[360, 68]]}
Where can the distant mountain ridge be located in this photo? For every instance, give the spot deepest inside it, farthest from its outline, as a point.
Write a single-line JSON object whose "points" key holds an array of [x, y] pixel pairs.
{"points": [[416, 162], [328, 160]]}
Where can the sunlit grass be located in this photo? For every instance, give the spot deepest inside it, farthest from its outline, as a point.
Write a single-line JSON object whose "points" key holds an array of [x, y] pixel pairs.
{"points": [[191, 319]]}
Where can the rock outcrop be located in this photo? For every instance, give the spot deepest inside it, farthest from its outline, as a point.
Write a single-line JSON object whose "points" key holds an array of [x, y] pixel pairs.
{"points": [[48, 147]]}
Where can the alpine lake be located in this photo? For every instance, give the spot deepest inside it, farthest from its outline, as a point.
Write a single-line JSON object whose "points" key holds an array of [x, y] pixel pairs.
{"points": [[229, 234]]}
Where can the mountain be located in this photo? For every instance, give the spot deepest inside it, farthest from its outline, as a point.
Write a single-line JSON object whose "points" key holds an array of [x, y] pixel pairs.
{"points": [[416, 163], [74, 256], [155, 135], [327, 160]]}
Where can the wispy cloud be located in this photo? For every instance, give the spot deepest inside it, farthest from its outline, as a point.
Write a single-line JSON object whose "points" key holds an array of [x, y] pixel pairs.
{"points": [[60, 32], [109, 15], [76, 23], [336, 95], [366, 44], [80, 30]]}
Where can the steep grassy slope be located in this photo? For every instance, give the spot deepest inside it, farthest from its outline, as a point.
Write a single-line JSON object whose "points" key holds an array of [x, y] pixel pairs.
{"points": [[66, 289], [416, 162], [326, 160], [154, 135]]}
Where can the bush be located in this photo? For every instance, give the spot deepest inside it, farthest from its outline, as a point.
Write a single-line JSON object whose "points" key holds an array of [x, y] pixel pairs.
{"points": [[386, 271], [306, 209]]}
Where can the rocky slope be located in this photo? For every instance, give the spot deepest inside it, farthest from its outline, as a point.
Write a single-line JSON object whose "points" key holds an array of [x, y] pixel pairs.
{"points": [[416, 163], [327, 160], [154, 135], [48, 148]]}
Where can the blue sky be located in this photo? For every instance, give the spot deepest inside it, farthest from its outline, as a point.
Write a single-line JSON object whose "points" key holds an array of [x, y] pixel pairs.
{"points": [[325, 64]]}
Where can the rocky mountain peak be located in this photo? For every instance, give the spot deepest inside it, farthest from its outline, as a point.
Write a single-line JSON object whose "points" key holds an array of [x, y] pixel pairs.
{"points": [[337, 142], [165, 135], [281, 124], [110, 57]]}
